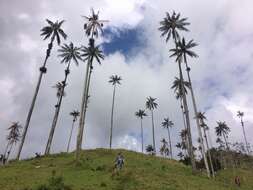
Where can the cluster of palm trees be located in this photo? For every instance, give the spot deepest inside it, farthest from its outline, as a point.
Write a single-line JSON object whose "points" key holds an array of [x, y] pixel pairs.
{"points": [[171, 28]]}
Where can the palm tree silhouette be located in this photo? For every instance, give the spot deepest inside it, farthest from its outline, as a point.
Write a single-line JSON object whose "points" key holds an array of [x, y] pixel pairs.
{"points": [[74, 114], [171, 25], [240, 115], [92, 27], [222, 130], [114, 80], [12, 138], [151, 105], [68, 53], [201, 116], [53, 30], [140, 114], [164, 150], [167, 124]]}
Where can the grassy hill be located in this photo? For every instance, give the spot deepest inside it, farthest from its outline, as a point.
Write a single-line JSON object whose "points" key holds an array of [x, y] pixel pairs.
{"points": [[95, 173]]}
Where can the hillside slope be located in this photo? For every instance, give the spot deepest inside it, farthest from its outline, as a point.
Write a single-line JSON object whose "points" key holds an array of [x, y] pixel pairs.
{"points": [[95, 173]]}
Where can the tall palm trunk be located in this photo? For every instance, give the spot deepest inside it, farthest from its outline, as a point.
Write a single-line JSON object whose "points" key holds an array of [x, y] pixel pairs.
{"points": [[56, 115], [170, 143], [83, 110], [141, 137], [9, 152], [153, 130], [73, 123], [225, 141], [183, 114], [208, 152], [197, 122], [245, 139], [187, 121], [42, 71], [6, 150], [113, 98]]}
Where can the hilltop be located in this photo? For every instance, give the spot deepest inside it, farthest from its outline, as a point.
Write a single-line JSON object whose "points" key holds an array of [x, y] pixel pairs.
{"points": [[94, 172]]}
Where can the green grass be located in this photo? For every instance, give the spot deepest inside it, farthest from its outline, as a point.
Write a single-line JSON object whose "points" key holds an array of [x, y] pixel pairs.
{"points": [[94, 172]]}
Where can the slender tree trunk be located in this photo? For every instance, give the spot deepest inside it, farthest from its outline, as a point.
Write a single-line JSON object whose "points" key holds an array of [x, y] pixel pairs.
{"points": [[42, 71], [9, 152], [57, 111], [183, 114], [141, 137], [6, 150], [73, 123], [245, 139], [113, 97], [187, 122], [208, 152], [197, 122], [171, 156], [83, 110], [225, 141], [153, 130]]}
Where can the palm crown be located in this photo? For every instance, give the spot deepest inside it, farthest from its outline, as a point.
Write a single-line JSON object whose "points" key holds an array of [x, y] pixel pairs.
{"points": [[183, 50], [222, 128], [167, 123], [93, 24], [115, 79], [178, 87], [140, 114], [14, 132], [69, 52], [150, 103], [59, 87], [75, 114], [171, 24], [53, 30], [91, 52], [240, 114]]}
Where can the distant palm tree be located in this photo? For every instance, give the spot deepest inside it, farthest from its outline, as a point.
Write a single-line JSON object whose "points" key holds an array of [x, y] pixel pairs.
{"points": [[150, 149], [171, 25], [240, 115], [12, 138], [140, 114], [68, 53], [167, 124], [164, 150], [92, 26], [74, 114], [222, 130], [114, 80], [151, 105], [201, 116], [53, 30]]}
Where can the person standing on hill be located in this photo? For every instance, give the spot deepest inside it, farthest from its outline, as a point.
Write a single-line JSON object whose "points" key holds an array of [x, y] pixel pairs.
{"points": [[119, 161]]}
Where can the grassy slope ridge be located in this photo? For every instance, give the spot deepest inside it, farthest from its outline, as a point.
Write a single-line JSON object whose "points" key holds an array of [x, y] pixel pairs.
{"points": [[95, 172]]}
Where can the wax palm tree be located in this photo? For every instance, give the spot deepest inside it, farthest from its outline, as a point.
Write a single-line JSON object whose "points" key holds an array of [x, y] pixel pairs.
{"points": [[52, 31], [240, 115], [140, 114], [167, 124], [59, 90], [12, 138], [114, 80], [74, 114], [68, 53], [201, 116], [171, 25], [164, 150], [222, 130], [89, 53], [181, 52], [151, 105]]}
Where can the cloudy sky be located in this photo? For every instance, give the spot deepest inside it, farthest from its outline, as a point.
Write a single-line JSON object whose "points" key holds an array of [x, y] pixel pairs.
{"points": [[222, 75]]}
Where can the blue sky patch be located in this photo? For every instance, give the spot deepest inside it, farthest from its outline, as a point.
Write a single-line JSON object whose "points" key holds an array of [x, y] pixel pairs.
{"points": [[125, 41]]}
